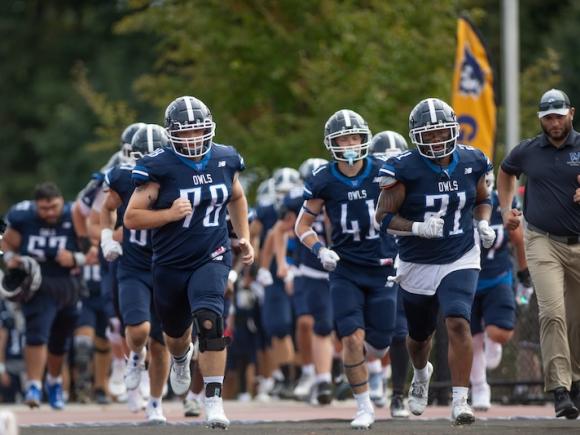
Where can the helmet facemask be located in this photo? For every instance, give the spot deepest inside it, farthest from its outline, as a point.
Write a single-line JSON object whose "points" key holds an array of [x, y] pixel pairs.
{"points": [[349, 153], [430, 149], [192, 146]]}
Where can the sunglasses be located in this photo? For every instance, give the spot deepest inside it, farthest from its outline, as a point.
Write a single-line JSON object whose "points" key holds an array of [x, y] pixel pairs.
{"points": [[553, 105]]}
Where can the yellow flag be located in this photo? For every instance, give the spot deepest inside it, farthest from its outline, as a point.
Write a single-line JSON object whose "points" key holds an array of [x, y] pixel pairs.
{"points": [[473, 95]]}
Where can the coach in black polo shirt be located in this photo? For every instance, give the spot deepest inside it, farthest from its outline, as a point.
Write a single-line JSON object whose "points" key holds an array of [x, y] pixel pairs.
{"points": [[551, 162]]}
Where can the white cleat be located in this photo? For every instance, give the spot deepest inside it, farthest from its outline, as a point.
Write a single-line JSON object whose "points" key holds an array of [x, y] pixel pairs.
{"points": [[192, 407], [135, 401], [376, 390], [493, 353], [461, 413], [179, 375], [215, 416], [154, 413], [419, 393], [133, 371], [364, 419], [116, 385], [481, 397], [145, 385], [304, 387]]}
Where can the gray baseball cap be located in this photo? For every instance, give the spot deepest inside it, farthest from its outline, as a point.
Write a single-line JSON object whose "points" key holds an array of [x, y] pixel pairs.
{"points": [[554, 102]]}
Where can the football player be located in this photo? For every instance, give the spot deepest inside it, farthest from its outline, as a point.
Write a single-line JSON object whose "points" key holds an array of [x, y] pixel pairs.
{"points": [[182, 196], [430, 196]]}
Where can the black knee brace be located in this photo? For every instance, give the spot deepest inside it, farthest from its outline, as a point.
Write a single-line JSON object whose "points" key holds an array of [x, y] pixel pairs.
{"points": [[210, 337]]}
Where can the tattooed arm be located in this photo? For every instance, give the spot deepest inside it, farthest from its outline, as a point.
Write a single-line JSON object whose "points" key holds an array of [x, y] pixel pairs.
{"points": [[390, 201], [140, 214]]}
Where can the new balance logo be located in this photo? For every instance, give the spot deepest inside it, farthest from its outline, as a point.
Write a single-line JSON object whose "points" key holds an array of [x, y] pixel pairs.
{"points": [[221, 164], [468, 171]]}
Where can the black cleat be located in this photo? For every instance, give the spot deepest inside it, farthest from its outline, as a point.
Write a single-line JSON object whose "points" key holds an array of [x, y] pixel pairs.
{"points": [[563, 405]]}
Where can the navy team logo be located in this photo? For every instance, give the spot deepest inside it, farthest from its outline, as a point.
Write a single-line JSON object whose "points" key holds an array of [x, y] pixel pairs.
{"points": [[472, 78]]}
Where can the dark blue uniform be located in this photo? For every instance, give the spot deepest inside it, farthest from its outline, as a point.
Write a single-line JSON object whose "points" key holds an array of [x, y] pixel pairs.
{"points": [[134, 275], [51, 315], [360, 297], [105, 304], [494, 302], [94, 312], [191, 257], [311, 288], [449, 193]]}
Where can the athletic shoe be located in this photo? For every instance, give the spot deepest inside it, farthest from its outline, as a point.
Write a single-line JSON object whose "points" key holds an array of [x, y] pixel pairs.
{"points": [[135, 401], [419, 393], [32, 397], [304, 386], [481, 397], [154, 413], [324, 393], [364, 419], [563, 405], [145, 385], [133, 371], [116, 382], [192, 408], [54, 393], [215, 416], [377, 392], [398, 408], [493, 352], [179, 375], [461, 413]]}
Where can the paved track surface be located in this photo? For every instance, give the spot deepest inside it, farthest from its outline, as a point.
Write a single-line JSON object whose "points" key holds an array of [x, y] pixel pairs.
{"points": [[284, 418]]}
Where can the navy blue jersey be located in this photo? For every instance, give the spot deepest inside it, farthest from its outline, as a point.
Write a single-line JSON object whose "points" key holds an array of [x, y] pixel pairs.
{"points": [[88, 194], [267, 215], [137, 249], [496, 260], [92, 278], [203, 235], [434, 191], [42, 240], [350, 205], [293, 201]]}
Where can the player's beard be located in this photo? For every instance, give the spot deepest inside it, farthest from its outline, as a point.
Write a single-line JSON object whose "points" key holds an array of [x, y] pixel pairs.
{"points": [[561, 136]]}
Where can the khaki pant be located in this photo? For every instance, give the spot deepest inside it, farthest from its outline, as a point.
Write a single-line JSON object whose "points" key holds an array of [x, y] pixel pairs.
{"points": [[555, 271]]}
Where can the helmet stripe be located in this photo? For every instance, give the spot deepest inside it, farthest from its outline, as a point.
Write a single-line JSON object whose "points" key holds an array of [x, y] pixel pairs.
{"points": [[346, 115], [150, 138], [392, 141], [190, 116], [432, 110]]}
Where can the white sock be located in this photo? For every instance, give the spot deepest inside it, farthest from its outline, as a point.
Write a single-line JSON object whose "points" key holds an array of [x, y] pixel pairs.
{"points": [[460, 394], [37, 384], [190, 395], [51, 380], [308, 370], [375, 366], [363, 400], [478, 375], [323, 377], [422, 374]]}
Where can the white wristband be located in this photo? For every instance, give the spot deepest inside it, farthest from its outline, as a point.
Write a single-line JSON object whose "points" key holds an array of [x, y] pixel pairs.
{"points": [[106, 235], [415, 228]]}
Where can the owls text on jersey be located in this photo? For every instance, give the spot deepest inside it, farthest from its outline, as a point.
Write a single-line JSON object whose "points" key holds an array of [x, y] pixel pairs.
{"points": [[350, 204], [137, 250], [201, 236], [41, 240], [431, 190]]}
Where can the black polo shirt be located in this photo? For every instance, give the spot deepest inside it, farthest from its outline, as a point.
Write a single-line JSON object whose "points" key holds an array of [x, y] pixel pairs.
{"points": [[552, 179]]}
